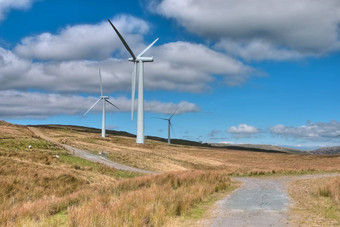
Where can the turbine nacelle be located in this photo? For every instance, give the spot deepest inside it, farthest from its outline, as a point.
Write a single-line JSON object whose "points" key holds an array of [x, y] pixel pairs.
{"points": [[143, 59], [104, 97]]}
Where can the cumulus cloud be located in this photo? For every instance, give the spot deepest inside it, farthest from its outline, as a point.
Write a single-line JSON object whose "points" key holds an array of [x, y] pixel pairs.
{"points": [[258, 50], [243, 131], [87, 41], [295, 28], [310, 131], [18, 104], [190, 67], [7, 5], [179, 66]]}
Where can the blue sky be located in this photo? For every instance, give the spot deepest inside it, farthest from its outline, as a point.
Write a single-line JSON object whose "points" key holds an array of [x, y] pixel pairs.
{"points": [[252, 71]]}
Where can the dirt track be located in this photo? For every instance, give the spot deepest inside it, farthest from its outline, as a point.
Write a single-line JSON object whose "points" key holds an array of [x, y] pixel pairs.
{"points": [[258, 202], [91, 157]]}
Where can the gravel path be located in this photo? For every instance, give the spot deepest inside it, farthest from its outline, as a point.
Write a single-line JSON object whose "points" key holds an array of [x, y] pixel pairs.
{"points": [[258, 202], [91, 157]]}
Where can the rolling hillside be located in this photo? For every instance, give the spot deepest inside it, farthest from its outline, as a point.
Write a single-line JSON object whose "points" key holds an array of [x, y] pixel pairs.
{"points": [[44, 184]]}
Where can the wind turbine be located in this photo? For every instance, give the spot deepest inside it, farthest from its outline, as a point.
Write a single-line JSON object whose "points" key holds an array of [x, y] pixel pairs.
{"points": [[169, 125], [105, 100], [139, 59]]}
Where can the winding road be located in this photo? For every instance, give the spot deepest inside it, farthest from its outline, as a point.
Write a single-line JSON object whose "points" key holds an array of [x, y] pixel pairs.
{"points": [[88, 156]]}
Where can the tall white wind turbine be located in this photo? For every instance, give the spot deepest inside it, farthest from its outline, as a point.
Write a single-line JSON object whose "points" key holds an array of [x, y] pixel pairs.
{"points": [[169, 125], [105, 100], [139, 59]]}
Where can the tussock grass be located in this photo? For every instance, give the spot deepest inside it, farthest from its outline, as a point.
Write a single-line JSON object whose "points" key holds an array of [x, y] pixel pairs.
{"points": [[37, 189], [35, 184], [332, 190], [149, 201], [315, 202]]}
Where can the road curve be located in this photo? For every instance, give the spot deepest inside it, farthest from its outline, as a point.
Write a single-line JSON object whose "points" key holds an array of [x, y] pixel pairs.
{"points": [[88, 156]]}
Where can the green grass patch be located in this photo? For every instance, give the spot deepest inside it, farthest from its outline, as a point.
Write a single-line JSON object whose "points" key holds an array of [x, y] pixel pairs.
{"points": [[76, 161], [83, 164], [330, 209], [23, 143], [59, 219], [200, 209]]}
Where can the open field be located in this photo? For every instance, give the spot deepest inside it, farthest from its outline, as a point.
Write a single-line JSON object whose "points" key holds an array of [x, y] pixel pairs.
{"points": [[39, 188], [161, 157]]}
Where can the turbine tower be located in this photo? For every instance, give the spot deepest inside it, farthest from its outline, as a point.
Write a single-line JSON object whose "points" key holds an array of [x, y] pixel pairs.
{"points": [[169, 125], [139, 59], [105, 100]]}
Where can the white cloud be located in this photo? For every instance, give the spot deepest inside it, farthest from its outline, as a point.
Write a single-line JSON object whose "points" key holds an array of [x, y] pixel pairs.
{"points": [[179, 66], [310, 131], [87, 41], [169, 108], [257, 50], [18, 104], [10, 64], [187, 66], [7, 5], [242, 131], [305, 27]]}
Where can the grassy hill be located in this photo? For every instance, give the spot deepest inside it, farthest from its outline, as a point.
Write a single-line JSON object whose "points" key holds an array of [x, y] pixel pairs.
{"points": [[326, 150], [47, 186], [161, 157]]}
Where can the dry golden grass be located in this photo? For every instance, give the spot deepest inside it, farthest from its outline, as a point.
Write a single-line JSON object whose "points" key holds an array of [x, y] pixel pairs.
{"points": [[34, 183], [162, 157], [332, 190], [38, 189], [315, 202], [149, 201]]}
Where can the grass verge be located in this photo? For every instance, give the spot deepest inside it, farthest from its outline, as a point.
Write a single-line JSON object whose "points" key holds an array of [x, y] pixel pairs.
{"points": [[314, 203], [150, 200]]}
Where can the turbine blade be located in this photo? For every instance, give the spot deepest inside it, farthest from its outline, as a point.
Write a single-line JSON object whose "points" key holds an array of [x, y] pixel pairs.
{"points": [[161, 118], [123, 41], [172, 127], [133, 89], [92, 107], [101, 84], [146, 49], [173, 114], [112, 104]]}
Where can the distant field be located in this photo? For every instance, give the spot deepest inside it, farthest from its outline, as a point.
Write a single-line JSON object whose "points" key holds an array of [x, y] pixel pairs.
{"points": [[161, 157]]}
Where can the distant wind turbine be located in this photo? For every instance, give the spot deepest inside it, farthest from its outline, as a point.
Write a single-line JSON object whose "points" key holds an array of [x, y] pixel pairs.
{"points": [[105, 100], [169, 125], [139, 59]]}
